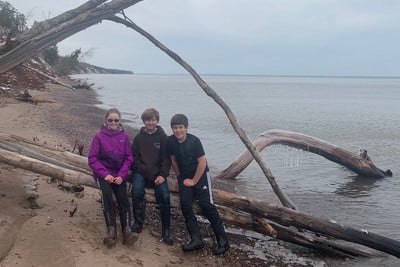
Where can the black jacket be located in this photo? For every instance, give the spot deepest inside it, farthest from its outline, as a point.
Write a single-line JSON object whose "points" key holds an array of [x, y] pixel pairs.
{"points": [[149, 151]]}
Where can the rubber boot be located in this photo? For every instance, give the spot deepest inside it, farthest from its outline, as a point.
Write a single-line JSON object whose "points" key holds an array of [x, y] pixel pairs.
{"points": [[165, 214], [222, 242], [111, 239], [128, 236], [139, 210], [196, 242]]}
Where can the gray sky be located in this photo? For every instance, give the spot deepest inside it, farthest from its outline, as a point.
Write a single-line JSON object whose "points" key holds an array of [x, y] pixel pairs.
{"points": [[260, 37]]}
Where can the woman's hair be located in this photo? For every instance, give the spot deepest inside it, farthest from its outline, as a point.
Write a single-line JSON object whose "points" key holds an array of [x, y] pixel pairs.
{"points": [[113, 110], [179, 119], [150, 113]]}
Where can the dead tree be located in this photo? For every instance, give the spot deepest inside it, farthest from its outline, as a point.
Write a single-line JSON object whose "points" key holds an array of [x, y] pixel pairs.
{"points": [[50, 32]]}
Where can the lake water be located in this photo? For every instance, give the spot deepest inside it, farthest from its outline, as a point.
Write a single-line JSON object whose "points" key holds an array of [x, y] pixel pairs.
{"points": [[351, 113]]}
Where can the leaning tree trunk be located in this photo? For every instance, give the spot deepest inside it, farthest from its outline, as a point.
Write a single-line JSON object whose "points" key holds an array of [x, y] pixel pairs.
{"points": [[60, 28], [39, 28], [245, 212], [211, 93], [307, 143]]}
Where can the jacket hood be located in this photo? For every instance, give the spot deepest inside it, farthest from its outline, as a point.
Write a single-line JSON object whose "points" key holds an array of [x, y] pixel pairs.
{"points": [[159, 131], [107, 131]]}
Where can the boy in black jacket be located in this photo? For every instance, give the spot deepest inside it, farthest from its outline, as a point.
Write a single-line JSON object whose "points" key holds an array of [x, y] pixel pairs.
{"points": [[190, 166], [151, 168]]}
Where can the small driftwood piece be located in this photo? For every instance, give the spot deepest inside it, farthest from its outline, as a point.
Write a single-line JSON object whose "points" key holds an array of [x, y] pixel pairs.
{"points": [[82, 86], [26, 97]]}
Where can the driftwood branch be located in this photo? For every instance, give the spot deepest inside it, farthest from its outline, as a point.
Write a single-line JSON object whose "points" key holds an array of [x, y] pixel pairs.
{"points": [[235, 209], [211, 93], [49, 77], [358, 164]]}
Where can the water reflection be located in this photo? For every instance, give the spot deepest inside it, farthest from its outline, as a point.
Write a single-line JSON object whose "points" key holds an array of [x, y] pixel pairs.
{"points": [[357, 187]]}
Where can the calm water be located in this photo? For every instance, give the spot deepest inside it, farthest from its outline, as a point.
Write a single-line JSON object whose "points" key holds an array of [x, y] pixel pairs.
{"points": [[351, 113]]}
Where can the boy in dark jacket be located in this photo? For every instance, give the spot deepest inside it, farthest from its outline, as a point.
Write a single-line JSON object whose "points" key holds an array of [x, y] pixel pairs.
{"points": [[151, 168], [190, 166]]}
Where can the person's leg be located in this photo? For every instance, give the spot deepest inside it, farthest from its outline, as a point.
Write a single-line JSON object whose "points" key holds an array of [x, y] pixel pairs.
{"points": [[138, 201], [186, 201], [163, 199], [109, 212], [204, 197], [124, 213]]}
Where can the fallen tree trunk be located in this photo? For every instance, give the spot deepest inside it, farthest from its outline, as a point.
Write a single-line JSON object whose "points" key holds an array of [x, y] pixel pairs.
{"points": [[280, 217], [249, 222], [49, 169], [289, 217], [32, 150], [61, 28], [355, 163], [40, 27]]}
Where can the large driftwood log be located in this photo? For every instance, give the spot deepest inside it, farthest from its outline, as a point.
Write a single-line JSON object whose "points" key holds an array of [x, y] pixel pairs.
{"points": [[244, 220], [49, 169], [289, 217], [62, 27], [33, 150], [356, 163], [237, 210]]}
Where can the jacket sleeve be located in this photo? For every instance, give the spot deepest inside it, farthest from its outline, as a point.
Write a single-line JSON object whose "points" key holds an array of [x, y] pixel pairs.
{"points": [[165, 160], [126, 165], [135, 151], [93, 159]]}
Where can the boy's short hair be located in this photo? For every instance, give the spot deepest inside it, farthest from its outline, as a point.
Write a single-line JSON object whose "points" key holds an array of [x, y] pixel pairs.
{"points": [[179, 119], [149, 114]]}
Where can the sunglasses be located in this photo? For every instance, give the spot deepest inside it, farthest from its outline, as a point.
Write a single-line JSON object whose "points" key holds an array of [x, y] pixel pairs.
{"points": [[113, 120]]}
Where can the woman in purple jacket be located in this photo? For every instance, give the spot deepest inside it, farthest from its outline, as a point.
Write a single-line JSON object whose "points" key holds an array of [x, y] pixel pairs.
{"points": [[110, 158]]}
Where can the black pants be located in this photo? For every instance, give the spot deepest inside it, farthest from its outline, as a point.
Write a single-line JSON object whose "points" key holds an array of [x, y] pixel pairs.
{"points": [[202, 193], [107, 191]]}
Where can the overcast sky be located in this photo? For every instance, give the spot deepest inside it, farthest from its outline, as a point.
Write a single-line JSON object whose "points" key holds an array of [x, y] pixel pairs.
{"points": [[255, 37]]}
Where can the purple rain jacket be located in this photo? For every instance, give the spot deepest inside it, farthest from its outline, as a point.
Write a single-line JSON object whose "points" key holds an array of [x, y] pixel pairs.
{"points": [[110, 153]]}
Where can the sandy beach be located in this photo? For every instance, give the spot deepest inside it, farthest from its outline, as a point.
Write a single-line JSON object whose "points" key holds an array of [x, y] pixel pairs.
{"points": [[43, 232]]}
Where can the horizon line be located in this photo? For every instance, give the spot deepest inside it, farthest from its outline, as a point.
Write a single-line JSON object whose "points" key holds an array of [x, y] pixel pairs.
{"points": [[272, 75]]}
